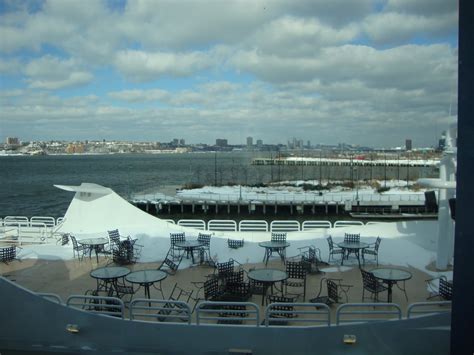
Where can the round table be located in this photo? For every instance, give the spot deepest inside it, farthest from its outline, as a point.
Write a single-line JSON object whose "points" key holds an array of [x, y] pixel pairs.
{"points": [[270, 247], [391, 276], [108, 275], [267, 277], [94, 243], [189, 246], [354, 247], [146, 278]]}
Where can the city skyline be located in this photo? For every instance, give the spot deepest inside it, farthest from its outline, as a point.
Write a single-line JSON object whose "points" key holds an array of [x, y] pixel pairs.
{"points": [[368, 72]]}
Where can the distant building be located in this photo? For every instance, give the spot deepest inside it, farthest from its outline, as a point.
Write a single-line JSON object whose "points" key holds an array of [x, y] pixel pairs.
{"points": [[12, 141], [408, 144], [182, 141], [75, 148], [259, 143], [221, 142], [249, 142], [175, 141]]}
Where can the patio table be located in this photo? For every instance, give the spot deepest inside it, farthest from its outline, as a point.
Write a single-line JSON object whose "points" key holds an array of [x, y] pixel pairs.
{"points": [[271, 246], [146, 278], [96, 244], [267, 277], [189, 246], [108, 276], [391, 276], [354, 247]]}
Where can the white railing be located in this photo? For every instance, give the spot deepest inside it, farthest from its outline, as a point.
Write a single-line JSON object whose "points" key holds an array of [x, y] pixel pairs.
{"points": [[192, 223], [309, 225], [339, 224], [222, 225], [253, 226], [285, 226]]}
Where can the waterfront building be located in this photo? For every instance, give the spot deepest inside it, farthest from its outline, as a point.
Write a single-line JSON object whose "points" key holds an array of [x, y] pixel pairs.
{"points": [[249, 142]]}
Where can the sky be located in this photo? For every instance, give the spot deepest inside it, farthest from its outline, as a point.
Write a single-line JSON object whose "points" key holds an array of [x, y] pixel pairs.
{"points": [[365, 72]]}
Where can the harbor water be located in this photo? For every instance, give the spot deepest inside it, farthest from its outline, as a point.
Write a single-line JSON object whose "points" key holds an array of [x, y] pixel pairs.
{"points": [[27, 189]]}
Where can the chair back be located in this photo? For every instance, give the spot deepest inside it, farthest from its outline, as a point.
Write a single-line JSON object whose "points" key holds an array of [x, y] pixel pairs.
{"points": [[278, 237], [75, 245], [211, 288], [333, 293], [282, 299], [114, 237], [296, 270], [64, 238], [445, 289], [177, 238], [235, 277], [377, 244], [330, 243], [226, 268], [205, 239], [351, 238], [369, 281]]}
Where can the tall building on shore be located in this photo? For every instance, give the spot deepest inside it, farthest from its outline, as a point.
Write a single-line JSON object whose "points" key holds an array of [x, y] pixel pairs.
{"points": [[221, 142], [408, 144], [249, 142], [12, 141]]}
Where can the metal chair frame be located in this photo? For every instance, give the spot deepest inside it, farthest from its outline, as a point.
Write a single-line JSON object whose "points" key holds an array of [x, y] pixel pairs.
{"points": [[333, 250], [297, 273], [371, 284], [372, 251]]}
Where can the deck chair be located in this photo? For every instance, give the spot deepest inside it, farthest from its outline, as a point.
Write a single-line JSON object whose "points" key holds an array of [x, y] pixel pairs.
{"points": [[177, 294], [371, 284], [77, 248], [235, 243], [205, 250], [176, 238], [296, 272], [310, 257], [335, 292], [333, 250], [282, 317], [170, 265], [440, 287], [351, 238], [372, 250]]}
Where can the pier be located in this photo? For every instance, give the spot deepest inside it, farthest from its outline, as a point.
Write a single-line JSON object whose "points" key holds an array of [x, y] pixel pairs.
{"points": [[345, 162]]}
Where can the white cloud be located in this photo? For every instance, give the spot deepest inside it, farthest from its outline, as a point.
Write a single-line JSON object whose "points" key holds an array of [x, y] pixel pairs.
{"points": [[144, 66], [53, 73], [393, 27]]}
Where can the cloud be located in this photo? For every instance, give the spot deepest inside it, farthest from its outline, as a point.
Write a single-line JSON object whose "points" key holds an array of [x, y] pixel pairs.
{"points": [[393, 27], [144, 66], [53, 73]]}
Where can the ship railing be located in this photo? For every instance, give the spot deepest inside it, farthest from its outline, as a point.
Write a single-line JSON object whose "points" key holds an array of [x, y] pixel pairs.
{"points": [[248, 313], [244, 313], [426, 308], [160, 310], [297, 313], [367, 312], [109, 306]]}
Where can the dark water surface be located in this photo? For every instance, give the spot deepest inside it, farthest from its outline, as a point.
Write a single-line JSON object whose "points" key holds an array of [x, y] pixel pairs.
{"points": [[26, 183]]}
